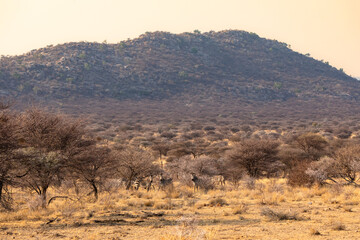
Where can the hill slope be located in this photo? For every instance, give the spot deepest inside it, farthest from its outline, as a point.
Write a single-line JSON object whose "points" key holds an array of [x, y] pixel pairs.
{"points": [[220, 65]]}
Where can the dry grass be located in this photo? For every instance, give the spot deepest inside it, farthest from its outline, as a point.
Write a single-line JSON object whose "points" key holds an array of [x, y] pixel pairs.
{"points": [[240, 209], [279, 215], [337, 226], [259, 212]]}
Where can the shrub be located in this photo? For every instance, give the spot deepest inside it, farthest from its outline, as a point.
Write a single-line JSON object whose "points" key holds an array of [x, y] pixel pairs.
{"points": [[240, 209], [279, 215], [298, 176], [219, 202]]}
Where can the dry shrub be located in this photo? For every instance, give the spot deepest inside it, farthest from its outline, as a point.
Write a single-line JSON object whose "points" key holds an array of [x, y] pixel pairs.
{"points": [[68, 210], [185, 193], [337, 226], [274, 186], [314, 232], [279, 215], [149, 203], [240, 209], [249, 182], [165, 205], [272, 199], [219, 202], [188, 229], [35, 203], [337, 189], [171, 192], [112, 185], [298, 176], [191, 202]]}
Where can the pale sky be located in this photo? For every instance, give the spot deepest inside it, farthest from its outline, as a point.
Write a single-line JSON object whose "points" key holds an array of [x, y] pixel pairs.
{"points": [[327, 29]]}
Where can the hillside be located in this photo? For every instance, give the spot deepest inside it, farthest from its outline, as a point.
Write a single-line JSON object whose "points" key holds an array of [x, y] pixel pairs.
{"points": [[222, 65]]}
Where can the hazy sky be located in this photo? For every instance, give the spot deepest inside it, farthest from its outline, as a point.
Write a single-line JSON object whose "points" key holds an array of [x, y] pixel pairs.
{"points": [[327, 29]]}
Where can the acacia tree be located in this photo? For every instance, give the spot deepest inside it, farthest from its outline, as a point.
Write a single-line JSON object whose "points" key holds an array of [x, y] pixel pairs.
{"points": [[10, 167], [195, 148], [94, 166], [344, 164], [134, 163], [51, 140], [161, 148], [253, 156], [313, 145]]}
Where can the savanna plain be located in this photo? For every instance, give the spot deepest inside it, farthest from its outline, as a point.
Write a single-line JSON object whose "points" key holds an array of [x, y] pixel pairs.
{"points": [[264, 209], [188, 179]]}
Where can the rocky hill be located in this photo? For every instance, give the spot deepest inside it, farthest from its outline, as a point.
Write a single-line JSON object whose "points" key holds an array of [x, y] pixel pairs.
{"points": [[214, 65]]}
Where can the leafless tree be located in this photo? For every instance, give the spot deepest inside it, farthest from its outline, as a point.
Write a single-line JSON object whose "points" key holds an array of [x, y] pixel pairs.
{"points": [[253, 156], [94, 166], [51, 140], [10, 167], [161, 148], [204, 167], [134, 163], [290, 157], [195, 148], [344, 164], [312, 144]]}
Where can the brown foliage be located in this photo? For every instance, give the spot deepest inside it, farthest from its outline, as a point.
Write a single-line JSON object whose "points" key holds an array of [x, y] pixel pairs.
{"points": [[134, 163], [298, 176], [312, 144], [253, 156], [10, 166], [51, 140], [94, 166]]}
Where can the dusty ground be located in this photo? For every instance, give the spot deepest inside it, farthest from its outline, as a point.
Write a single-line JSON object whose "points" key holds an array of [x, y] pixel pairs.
{"points": [[271, 210]]}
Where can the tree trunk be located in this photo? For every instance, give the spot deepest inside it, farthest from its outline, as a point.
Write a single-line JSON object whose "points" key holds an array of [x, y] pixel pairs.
{"points": [[128, 185], [1, 189], [77, 191], [95, 189], [43, 197]]}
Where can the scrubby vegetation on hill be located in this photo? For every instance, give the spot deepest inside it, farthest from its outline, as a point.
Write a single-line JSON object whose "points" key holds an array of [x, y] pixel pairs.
{"points": [[161, 65]]}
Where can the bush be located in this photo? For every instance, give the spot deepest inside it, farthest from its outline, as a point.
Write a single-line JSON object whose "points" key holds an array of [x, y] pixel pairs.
{"points": [[279, 215], [298, 176], [219, 202]]}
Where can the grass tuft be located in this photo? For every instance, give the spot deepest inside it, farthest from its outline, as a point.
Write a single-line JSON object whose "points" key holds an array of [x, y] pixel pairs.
{"points": [[279, 215]]}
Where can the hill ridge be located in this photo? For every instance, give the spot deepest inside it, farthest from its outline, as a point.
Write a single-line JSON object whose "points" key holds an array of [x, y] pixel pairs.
{"points": [[229, 64]]}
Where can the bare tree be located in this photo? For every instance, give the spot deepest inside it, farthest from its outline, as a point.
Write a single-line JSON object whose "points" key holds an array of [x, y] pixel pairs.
{"points": [[195, 148], [323, 170], [94, 166], [161, 148], [344, 164], [134, 163], [312, 144], [204, 167], [253, 156], [10, 167], [291, 157], [51, 141]]}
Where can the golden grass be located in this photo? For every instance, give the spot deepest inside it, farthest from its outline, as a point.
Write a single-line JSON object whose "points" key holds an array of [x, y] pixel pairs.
{"points": [[269, 210]]}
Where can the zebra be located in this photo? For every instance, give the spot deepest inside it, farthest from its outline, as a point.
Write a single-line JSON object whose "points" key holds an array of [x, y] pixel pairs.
{"points": [[148, 183], [196, 181], [219, 180], [137, 183], [164, 182], [204, 183]]}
